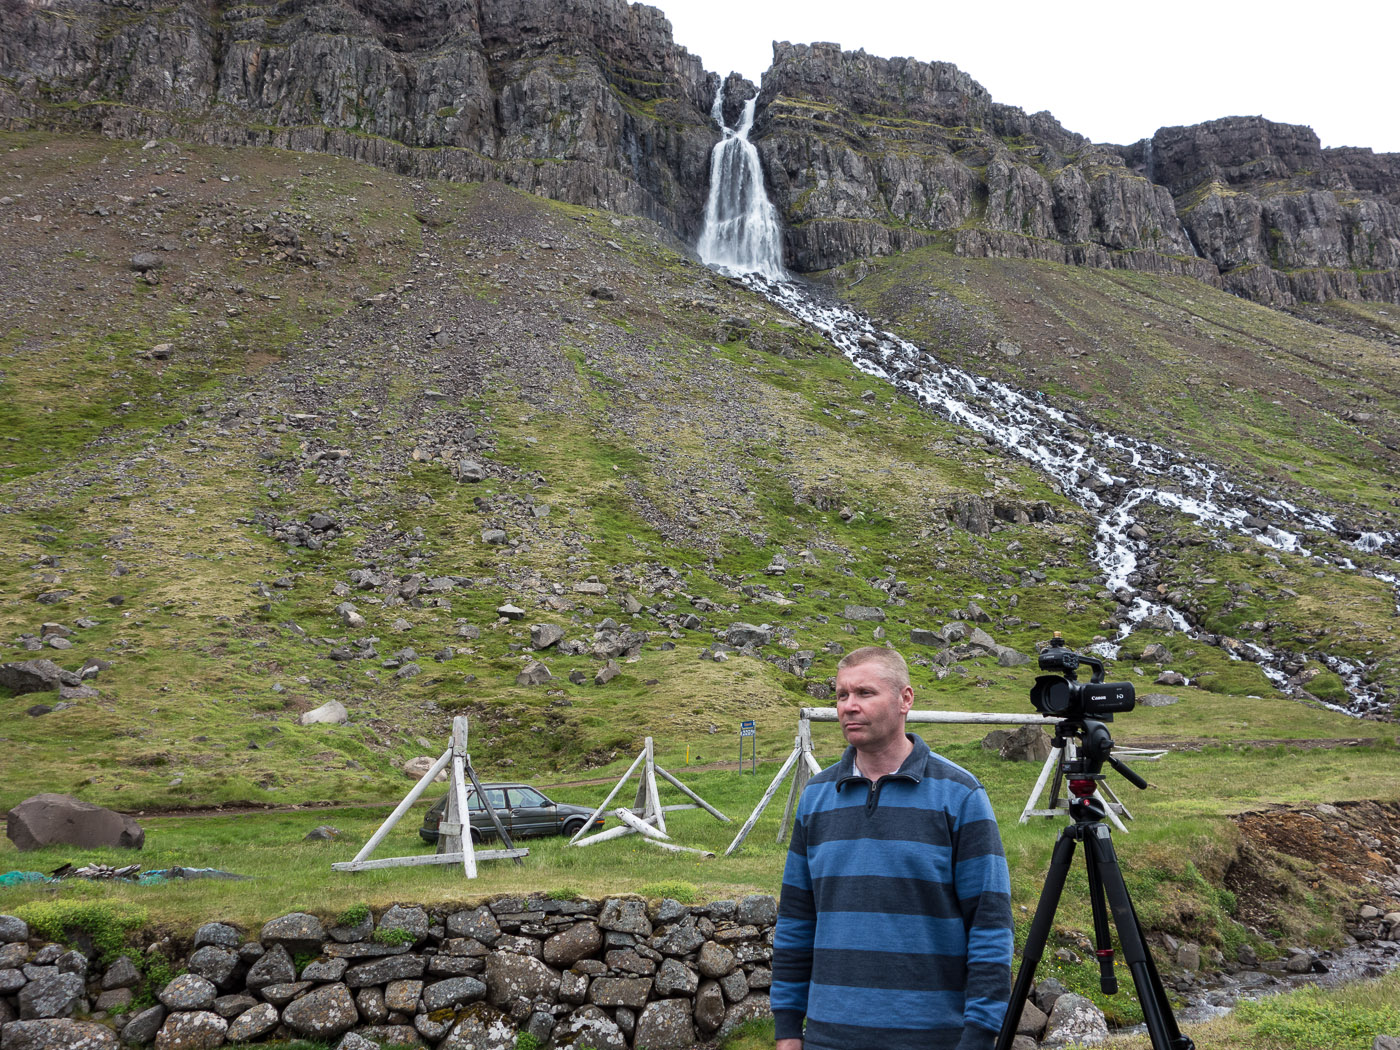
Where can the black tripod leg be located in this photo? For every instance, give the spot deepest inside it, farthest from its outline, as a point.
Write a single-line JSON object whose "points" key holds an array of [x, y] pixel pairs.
{"points": [[1103, 943], [1039, 934], [1152, 995]]}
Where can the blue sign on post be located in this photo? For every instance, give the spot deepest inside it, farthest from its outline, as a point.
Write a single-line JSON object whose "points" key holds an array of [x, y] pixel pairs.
{"points": [[746, 729]]}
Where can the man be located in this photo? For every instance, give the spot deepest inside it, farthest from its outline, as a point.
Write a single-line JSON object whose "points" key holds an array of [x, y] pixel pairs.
{"points": [[894, 928]]}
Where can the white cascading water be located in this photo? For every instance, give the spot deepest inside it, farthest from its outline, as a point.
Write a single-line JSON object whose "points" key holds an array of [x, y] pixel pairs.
{"points": [[1108, 474], [741, 233]]}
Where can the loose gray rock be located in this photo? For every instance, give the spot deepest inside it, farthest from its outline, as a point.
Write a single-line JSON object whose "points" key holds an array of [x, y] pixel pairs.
{"points": [[620, 991], [743, 635], [382, 971], [543, 635], [13, 929], [325, 971], [280, 995], [675, 978], [535, 673], [53, 995], [1156, 700], [469, 470], [715, 960], [253, 1023], [189, 991], [479, 925], [863, 613], [192, 1030], [330, 713], [625, 916], [142, 1028], [757, 909], [296, 932], [58, 1034], [403, 996], [755, 1008], [322, 1014], [709, 1006], [1032, 1022], [569, 946], [453, 992], [214, 963], [511, 976], [1075, 1020], [666, 1025], [51, 819], [413, 919], [230, 1006], [735, 986], [573, 987], [275, 967], [122, 973], [481, 1030], [589, 1028], [35, 676], [217, 933]]}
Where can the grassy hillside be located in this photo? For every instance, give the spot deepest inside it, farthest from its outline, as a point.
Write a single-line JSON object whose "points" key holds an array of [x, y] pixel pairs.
{"points": [[322, 338]]}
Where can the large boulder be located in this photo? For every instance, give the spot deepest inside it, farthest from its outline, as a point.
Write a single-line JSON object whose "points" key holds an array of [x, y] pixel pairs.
{"points": [[46, 820], [35, 676]]}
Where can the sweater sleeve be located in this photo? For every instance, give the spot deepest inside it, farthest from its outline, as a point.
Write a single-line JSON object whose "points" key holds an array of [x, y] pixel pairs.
{"points": [[793, 939], [984, 896]]}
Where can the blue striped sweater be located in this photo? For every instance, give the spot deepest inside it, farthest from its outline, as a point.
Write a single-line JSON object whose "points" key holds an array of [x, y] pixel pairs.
{"points": [[894, 926]]}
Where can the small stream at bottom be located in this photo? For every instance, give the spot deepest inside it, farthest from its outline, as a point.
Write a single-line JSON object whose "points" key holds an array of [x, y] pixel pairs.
{"points": [[1208, 996]]}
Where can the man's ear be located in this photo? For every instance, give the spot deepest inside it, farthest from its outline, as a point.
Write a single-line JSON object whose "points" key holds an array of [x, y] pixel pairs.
{"points": [[906, 699]]}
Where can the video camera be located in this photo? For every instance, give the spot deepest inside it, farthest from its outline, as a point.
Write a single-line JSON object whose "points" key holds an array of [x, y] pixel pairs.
{"points": [[1064, 696]]}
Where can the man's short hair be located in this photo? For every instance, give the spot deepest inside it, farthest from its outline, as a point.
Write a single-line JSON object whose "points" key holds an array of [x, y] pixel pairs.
{"points": [[892, 665]]}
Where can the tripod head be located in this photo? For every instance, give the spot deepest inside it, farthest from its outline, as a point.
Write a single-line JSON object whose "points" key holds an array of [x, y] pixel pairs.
{"points": [[1085, 770]]}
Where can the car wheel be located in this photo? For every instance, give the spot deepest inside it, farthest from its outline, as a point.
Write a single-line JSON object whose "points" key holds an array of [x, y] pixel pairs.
{"points": [[572, 828], [476, 837]]}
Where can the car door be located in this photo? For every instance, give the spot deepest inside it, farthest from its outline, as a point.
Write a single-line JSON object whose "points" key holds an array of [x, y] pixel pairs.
{"points": [[481, 820], [531, 813]]}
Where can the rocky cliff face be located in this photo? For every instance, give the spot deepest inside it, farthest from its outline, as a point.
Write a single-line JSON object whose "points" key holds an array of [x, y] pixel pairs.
{"points": [[592, 102], [588, 101], [1279, 216], [868, 156]]}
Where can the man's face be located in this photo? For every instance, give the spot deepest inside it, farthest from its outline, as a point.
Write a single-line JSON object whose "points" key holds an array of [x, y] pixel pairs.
{"points": [[871, 710]]}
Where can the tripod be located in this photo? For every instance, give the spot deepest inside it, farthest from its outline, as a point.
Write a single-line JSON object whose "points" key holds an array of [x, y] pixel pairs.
{"points": [[1105, 882]]}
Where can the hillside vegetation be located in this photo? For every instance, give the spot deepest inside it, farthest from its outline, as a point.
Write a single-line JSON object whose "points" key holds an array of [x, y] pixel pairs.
{"points": [[340, 419]]}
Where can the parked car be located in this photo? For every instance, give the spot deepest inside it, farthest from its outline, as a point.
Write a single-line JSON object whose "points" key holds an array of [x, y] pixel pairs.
{"points": [[524, 811]]}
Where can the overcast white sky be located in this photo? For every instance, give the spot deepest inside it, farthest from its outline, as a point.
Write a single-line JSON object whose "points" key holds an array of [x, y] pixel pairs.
{"points": [[1113, 70]]}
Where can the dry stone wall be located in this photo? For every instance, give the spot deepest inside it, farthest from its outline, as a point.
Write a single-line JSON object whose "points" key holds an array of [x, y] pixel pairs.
{"points": [[611, 974]]}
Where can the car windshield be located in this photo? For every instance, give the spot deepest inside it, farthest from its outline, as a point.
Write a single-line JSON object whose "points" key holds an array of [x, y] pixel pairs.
{"points": [[529, 797]]}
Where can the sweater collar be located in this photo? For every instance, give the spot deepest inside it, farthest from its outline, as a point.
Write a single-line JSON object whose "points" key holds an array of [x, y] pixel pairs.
{"points": [[911, 769]]}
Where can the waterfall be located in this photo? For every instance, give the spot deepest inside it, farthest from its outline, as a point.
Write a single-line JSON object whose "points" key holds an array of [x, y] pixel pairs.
{"points": [[741, 232], [1107, 474]]}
